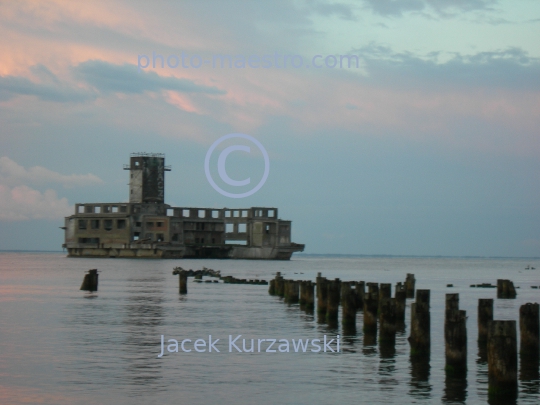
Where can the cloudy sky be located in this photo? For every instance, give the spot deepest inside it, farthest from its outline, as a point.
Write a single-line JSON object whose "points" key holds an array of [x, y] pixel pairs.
{"points": [[429, 146]]}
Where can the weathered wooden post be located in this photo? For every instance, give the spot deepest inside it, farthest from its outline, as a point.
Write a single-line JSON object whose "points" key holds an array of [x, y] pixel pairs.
{"points": [[371, 305], [360, 290], [348, 302], [308, 297], [387, 320], [502, 359], [485, 315], [333, 297], [279, 286], [322, 293], [182, 282], [373, 289], [302, 300], [291, 291], [385, 291], [420, 338], [529, 329], [90, 281], [409, 285], [272, 286], [401, 302], [455, 335], [505, 289]]}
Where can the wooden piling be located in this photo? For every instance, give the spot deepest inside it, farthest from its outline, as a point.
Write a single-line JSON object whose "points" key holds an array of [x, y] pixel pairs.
{"points": [[529, 329], [387, 320], [90, 281], [360, 290], [291, 291], [182, 282], [485, 315], [333, 298], [322, 292], [385, 291], [373, 289], [420, 338], [502, 359], [505, 289], [279, 283], [272, 287], [371, 304], [401, 302], [455, 335], [410, 282], [348, 302], [308, 296]]}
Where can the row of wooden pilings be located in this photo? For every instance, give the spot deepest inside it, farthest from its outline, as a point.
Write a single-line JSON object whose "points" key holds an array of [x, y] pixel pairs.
{"points": [[498, 338]]}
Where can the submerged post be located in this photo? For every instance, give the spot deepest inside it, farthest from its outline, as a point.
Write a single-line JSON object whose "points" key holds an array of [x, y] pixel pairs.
{"points": [[333, 297], [387, 320], [420, 338], [279, 285], [505, 289], [485, 315], [385, 291], [360, 290], [182, 282], [455, 335], [529, 329], [322, 292], [401, 302], [371, 305], [502, 359], [409, 285], [373, 290], [90, 281], [348, 301], [307, 297]]}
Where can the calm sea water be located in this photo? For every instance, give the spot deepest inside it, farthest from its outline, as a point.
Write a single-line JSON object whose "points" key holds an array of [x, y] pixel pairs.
{"points": [[59, 345]]}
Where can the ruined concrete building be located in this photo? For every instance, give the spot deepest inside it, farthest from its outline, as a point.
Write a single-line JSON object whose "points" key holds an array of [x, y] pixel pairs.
{"points": [[146, 227]]}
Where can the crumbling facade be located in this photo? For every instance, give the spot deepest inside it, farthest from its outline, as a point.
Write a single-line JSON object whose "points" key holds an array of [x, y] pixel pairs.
{"points": [[146, 227]]}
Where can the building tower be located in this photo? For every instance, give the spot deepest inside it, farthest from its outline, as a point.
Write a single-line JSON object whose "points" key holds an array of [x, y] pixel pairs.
{"points": [[147, 178]]}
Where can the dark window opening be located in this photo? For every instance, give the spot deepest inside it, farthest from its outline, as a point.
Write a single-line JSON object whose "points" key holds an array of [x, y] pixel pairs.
{"points": [[123, 208], [202, 241], [107, 224], [175, 237], [150, 224], [138, 223], [160, 237], [159, 224], [136, 236], [82, 223], [94, 223], [267, 228], [121, 224], [213, 241]]}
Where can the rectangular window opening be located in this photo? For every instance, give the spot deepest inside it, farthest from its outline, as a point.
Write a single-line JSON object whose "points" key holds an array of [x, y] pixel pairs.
{"points": [[121, 224], [242, 228], [107, 224]]}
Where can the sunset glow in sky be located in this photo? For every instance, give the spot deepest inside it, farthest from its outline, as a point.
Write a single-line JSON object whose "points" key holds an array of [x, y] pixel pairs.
{"points": [[430, 147]]}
